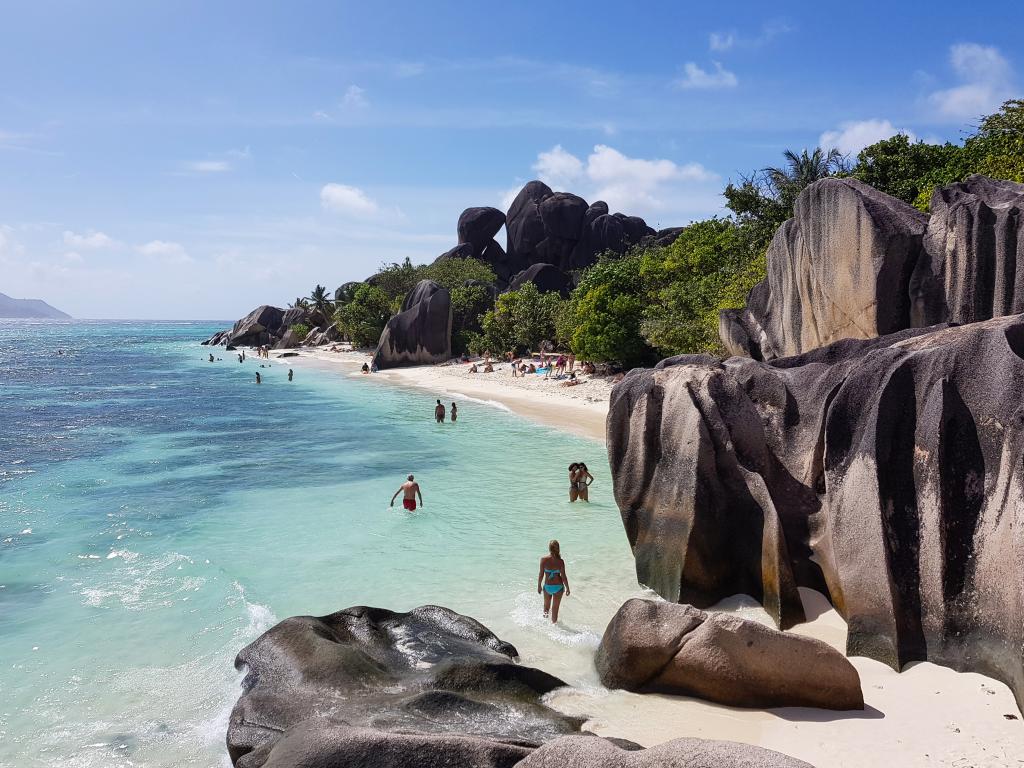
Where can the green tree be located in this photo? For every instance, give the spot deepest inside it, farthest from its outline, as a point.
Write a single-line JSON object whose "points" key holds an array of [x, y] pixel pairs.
{"points": [[520, 320], [395, 279], [908, 170], [301, 330], [765, 199], [364, 317], [602, 320], [321, 301], [711, 266], [997, 149]]}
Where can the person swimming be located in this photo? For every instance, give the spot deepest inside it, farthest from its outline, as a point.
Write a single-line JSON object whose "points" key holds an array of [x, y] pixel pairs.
{"points": [[552, 580]]}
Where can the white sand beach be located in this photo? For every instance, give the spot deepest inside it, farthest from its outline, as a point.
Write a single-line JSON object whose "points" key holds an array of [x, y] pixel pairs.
{"points": [[927, 715]]}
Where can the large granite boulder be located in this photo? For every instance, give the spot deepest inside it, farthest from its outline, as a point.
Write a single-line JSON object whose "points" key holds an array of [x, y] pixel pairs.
{"points": [[547, 277], [653, 646], [973, 265], [289, 340], [590, 752], [840, 268], [220, 337], [314, 684], [421, 333], [294, 316], [523, 224], [886, 473], [478, 226], [460, 251], [562, 214], [257, 327]]}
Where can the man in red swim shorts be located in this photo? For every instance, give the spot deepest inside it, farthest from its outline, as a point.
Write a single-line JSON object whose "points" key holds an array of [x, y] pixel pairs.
{"points": [[410, 489]]}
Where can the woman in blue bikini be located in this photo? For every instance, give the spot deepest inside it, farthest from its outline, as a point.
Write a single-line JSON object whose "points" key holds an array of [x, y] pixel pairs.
{"points": [[552, 580]]}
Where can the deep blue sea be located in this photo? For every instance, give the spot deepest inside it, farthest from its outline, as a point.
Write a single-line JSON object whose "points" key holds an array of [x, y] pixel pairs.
{"points": [[158, 511]]}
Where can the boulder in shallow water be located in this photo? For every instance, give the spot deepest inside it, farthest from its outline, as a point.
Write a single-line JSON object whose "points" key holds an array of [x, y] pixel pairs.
{"points": [[591, 752], [421, 334], [429, 671], [664, 647], [257, 327], [886, 473]]}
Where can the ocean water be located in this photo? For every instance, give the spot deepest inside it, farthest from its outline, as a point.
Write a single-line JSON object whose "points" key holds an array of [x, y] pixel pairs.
{"points": [[158, 512]]}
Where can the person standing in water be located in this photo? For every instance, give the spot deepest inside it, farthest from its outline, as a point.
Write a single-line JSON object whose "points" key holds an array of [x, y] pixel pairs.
{"points": [[455, 413], [259, 379], [552, 580], [583, 481], [439, 413], [410, 489], [290, 374]]}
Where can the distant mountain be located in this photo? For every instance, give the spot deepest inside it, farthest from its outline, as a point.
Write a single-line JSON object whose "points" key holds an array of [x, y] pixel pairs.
{"points": [[30, 308]]}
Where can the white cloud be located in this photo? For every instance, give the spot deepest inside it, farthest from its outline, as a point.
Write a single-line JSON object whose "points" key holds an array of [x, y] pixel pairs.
{"points": [[721, 41], [89, 240], [851, 137], [321, 115], [170, 252], [355, 98], [696, 78], [347, 200], [986, 79], [208, 166], [633, 185]]}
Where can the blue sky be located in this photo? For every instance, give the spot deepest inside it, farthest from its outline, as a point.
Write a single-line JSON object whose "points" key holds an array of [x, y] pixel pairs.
{"points": [[195, 159]]}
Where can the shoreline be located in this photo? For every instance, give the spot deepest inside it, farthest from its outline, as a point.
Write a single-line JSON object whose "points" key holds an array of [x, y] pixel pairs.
{"points": [[926, 715], [579, 410]]}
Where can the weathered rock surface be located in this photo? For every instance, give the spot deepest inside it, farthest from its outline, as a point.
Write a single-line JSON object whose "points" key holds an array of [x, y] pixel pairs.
{"points": [[973, 266], [856, 263], [547, 277], [590, 752], [257, 327], [840, 268], [421, 333], [886, 473], [313, 686], [288, 341], [478, 226], [653, 646]]}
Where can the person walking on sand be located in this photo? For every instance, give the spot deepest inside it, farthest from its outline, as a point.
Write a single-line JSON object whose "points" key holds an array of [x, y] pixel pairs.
{"points": [[583, 481], [410, 489], [454, 412], [439, 413], [552, 580]]}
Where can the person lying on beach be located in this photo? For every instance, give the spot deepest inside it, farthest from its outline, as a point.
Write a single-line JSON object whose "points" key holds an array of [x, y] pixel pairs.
{"points": [[552, 580], [572, 382], [454, 412], [410, 489], [439, 412], [532, 368], [488, 368]]}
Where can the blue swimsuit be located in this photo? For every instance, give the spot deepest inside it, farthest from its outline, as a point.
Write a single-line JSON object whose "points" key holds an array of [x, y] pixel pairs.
{"points": [[552, 589]]}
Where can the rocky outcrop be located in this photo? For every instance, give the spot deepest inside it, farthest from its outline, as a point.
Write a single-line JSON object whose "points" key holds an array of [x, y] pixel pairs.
{"points": [[973, 267], [886, 473], [290, 340], [591, 752], [319, 691], [663, 647], [840, 268], [258, 327], [547, 277], [478, 226], [421, 333], [855, 263]]}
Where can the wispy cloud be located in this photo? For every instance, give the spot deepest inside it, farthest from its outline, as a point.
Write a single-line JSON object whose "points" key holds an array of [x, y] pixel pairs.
{"points": [[695, 78], [208, 166], [348, 201], [90, 240], [986, 80], [727, 40], [355, 98], [166, 251], [851, 137]]}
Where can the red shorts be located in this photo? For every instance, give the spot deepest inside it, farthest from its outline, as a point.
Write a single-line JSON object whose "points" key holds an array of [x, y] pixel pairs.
{"points": [[409, 504]]}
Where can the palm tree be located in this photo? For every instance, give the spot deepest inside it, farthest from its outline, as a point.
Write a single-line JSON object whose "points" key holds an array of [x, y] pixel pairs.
{"points": [[300, 303], [321, 302], [801, 171]]}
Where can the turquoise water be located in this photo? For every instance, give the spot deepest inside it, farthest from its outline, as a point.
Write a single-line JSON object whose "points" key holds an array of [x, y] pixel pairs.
{"points": [[157, 512]]}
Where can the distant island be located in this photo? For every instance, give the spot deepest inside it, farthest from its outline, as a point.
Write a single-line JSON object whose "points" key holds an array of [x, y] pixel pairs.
{"points": [[29, 308]]}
